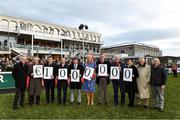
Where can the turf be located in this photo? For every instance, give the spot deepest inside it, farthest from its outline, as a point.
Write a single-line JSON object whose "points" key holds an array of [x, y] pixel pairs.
{"points": [[54, 111]]}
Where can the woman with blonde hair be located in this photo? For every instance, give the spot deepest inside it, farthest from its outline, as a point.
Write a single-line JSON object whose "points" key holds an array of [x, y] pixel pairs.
{"points": [[89, 85]]}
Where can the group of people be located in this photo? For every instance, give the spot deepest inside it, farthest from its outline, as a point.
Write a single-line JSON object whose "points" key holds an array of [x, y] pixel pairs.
{"points": [[144, 77]]}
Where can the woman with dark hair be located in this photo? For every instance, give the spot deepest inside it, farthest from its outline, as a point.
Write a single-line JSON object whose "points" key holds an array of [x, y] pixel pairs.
{"points": [[131, 86]]}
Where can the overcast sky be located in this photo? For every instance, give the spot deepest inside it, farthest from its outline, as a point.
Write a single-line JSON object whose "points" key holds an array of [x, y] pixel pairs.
{"points": [[154, 22]]}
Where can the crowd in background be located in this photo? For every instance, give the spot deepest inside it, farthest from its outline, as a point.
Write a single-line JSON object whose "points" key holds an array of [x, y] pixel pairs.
{"points": [[7, 64]]}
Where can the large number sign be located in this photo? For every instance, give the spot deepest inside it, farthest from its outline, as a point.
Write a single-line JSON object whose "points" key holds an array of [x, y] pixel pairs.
{"points": [[88, 73], [62, 74], [102, 69], [37, 71], [115, 73], [75, 76], [48, 72], [127, 74]]}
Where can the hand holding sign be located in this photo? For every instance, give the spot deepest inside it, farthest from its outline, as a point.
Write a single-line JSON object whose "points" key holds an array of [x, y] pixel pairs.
{"points": [[37, 71], [62, 74], [75, 76], [88, 73], [102, 70], [127, 74], [115, 73]]}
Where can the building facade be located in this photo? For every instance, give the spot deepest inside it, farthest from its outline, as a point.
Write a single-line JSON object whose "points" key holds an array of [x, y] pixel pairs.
{"points": [[133, 50], [19, 35]]}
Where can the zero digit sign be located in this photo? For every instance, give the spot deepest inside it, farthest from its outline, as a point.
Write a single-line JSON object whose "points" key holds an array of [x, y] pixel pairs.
{"points": [[102, 69], [62, 74], [127, 75], [88, 73], [75, 75], [114, 74]]}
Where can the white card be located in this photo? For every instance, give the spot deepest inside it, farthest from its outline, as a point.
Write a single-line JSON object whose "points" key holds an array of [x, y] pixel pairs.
{"points": [[102, 70], [115, 73], [127, 74], [62, 74], [37, 71], [48, 72], [88, 73], [75, 77]]}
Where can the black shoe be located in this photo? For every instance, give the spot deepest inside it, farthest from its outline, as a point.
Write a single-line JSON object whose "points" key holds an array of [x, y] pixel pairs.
{"points": [[64, 103], [161, 109], [22, 105], [30, 104], [130, 105], [99, 103], [145, 106], [78, 103], [15, 107], [106, 103], [115, 104], [71, 103], [154, 107], [122, 104]]}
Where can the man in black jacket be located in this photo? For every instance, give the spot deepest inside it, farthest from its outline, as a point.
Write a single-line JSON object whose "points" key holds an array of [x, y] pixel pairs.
{"points": [[50, 83], [118, 83], [19, 74], [62, 84], [158, 81], [75, 65], [102, 81]]}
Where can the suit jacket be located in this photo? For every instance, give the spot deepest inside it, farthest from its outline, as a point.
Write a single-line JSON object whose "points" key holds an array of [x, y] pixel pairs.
{"points": [[108, 70], [62, 83], [76, 85], [20, 74]]}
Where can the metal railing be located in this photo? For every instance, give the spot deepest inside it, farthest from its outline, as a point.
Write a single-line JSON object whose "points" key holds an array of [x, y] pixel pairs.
{"points": [[38, 47], [4, 48]]}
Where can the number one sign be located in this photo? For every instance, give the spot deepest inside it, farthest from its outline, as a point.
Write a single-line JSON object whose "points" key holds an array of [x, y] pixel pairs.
{"points": [[62, 74], [114, 74], [88, 72], [127, 74], [102, 69], [75, 76], [48, 72]]}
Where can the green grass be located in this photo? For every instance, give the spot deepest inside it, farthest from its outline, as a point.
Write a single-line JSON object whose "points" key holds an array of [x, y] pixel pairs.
{"points": [[171, 111]]}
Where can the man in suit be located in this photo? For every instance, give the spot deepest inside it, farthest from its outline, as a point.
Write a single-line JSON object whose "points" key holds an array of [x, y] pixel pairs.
{"points": [[118, 83], [50, 83], [63, 83], [19, 73], [76, 85]]}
